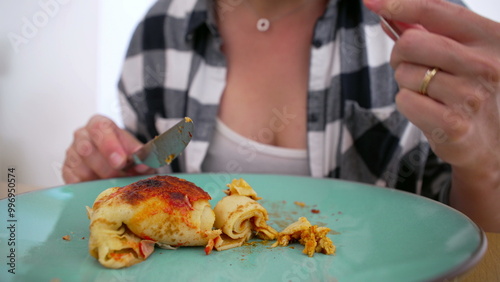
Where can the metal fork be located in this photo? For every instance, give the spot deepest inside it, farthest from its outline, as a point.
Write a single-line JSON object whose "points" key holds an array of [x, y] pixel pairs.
{"points": [[389, 27]]}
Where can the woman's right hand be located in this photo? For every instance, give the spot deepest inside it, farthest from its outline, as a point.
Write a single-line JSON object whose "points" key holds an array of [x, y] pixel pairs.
{"points": [[100, 150]]}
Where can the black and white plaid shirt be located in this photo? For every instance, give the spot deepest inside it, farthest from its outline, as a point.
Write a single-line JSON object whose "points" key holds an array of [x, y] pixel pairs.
{"points": [[175, 68]]}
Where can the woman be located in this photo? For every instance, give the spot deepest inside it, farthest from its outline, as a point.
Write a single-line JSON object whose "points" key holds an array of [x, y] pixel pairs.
{"points": [[307, 87]]}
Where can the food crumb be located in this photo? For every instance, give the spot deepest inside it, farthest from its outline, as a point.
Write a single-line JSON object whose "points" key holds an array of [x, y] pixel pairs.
{"points": [[170, 158], [300, 204], [66, 237], [315, 211]]}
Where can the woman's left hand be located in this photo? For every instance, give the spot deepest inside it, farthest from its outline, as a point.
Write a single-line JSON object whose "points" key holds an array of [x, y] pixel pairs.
{"points": [[459, 109]]}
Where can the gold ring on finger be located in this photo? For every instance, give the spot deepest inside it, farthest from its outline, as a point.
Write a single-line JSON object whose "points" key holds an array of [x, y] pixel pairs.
{"points": [[429, 75]]}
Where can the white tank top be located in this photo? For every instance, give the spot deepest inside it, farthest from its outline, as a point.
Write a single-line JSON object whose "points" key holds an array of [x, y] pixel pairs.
{"points": [[231, 152]]}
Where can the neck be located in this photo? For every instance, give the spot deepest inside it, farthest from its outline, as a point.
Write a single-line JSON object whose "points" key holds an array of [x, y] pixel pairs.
{"points": [[262, 14], [266, 8]]}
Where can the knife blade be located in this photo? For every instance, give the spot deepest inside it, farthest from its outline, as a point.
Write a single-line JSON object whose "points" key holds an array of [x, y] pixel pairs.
{"points": [[164, 148]]}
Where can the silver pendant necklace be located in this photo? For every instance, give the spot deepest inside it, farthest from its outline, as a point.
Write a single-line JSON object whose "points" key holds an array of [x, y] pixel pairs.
{"points": [[263, 24]]}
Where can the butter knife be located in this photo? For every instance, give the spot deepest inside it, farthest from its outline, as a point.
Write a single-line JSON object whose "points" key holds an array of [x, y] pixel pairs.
{"points": [[164, 148]]}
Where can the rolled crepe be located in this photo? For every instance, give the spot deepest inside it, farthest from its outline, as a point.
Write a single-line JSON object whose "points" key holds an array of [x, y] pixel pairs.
{"points": [[126, 222], [240, 217]]}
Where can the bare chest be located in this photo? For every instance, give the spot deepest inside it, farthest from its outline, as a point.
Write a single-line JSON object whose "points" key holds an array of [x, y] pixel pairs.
{"points": [[267, 79]]}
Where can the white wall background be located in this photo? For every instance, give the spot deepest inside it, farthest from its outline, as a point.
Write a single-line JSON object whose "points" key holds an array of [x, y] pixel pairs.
{"points": [[62, 70]]}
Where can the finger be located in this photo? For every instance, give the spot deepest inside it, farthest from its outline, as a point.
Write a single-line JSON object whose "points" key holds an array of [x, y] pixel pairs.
{"points": [[129, 142], [67, 171], [436, 16], [437, 51], [448, 55], [103, 133], [91, 156], [100, 167], [69, 177], [462, 98], [141, 169], [131, 145], [74, 168], [443, 87], [436, 120], [144, 169], [434, 50]]}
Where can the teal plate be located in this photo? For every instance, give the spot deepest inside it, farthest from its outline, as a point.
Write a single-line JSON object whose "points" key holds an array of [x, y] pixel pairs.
{"points": [[381, 235]]}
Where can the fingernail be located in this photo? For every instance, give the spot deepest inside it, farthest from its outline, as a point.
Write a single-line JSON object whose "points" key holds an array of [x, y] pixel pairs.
{"points": [[116, 160]]}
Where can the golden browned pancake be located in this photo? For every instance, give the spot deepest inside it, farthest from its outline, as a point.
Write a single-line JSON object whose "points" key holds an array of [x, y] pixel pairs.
{"points": [[126, 222]]}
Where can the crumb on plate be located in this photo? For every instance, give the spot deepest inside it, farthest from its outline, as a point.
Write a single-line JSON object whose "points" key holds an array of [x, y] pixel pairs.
{"points": [[300, 204]]}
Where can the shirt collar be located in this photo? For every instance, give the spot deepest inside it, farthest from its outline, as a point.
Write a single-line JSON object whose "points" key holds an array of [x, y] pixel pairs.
{"points": [[203, 14]]}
